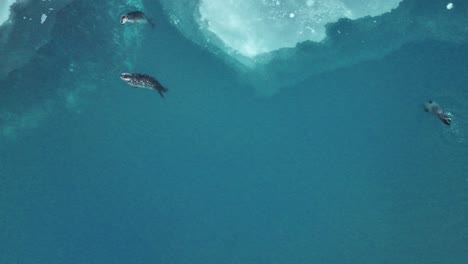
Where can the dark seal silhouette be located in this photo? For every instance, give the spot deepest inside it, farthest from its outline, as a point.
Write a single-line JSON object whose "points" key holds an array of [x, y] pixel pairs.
{"points": [[433, 107], [135, 17], [140, 80]]}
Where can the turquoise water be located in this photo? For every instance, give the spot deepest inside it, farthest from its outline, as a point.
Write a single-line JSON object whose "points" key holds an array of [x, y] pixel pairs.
{"points": [[320, 153]]}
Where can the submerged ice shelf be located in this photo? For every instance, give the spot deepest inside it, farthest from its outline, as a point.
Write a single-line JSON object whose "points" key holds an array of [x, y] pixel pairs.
{"points": [[37, 22], [254, 27], [5, 10], [270, 39]]}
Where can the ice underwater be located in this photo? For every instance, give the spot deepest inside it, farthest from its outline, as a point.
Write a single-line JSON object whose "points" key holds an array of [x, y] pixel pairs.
{"points": [[270, 39], [271, 44]]}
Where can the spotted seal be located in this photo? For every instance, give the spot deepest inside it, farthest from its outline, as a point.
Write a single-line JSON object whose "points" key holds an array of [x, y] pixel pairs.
{"points": [[140, 80]]}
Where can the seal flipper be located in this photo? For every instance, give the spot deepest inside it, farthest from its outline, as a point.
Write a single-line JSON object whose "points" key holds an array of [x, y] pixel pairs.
{"points": [[161, 93], [161, 90], [150, 22]]}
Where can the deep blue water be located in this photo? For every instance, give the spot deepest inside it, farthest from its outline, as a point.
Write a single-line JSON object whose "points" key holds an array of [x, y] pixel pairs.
{"points": [[343, 166]]}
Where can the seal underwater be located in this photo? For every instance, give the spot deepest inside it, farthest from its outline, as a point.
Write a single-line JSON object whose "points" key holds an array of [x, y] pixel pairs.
{"points": [[433, 107], [135, 17], [140, 80]]}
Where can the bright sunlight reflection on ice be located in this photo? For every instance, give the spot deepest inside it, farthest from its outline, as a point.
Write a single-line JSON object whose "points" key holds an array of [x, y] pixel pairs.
{"points": [[254, 27]]}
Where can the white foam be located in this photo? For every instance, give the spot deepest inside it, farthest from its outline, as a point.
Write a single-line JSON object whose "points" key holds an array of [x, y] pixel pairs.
{"points": [[449, 6], [5, 10], [254, 27]]}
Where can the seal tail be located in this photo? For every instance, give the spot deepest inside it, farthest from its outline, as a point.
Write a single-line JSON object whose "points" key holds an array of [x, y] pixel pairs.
{"points": [[150, 21], [161, 90]]}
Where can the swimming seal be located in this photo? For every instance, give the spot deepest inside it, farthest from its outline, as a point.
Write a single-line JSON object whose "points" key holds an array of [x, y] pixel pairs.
{"points": [[433, 107], [141, 80], [135, 17]]}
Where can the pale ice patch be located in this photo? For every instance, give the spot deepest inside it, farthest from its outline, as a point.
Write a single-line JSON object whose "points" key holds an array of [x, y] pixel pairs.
{"points": [[5, 10], [254, 27], [43, 18], [449, 6]]}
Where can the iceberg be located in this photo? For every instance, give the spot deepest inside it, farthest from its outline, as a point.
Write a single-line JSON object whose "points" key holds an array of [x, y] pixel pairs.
{"points": [[277, 43], [268, 55], [255, 27], [250, 28]]}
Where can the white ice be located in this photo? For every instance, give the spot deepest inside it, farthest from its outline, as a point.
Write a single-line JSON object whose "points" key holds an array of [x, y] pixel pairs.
{"points": [[5, 10], [251, 27]]}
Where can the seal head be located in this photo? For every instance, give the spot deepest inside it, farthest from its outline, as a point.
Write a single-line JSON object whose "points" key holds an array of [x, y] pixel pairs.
{"points": [[446, 119], [434, 108], [126, 77], [123, 19]]}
